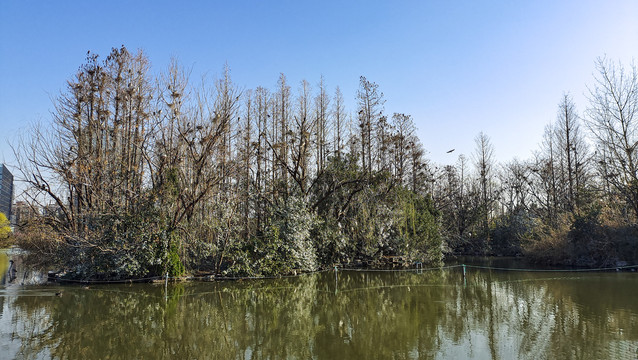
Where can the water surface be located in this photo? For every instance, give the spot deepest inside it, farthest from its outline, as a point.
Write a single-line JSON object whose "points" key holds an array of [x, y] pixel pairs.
{"points": [[354, 315]]}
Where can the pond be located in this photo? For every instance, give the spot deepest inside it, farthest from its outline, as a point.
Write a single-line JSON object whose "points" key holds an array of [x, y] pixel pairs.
{"points": [[431, 314]]}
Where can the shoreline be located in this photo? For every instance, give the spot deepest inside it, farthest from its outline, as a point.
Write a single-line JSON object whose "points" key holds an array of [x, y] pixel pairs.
{"points": [[31, 276]]}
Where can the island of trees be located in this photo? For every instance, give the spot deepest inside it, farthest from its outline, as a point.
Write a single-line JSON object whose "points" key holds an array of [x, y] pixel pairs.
{"points": [[149, 176]]}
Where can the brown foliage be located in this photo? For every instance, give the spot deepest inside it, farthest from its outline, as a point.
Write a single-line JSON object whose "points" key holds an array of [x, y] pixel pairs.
{"points": [[596, 238], [41, 240]]}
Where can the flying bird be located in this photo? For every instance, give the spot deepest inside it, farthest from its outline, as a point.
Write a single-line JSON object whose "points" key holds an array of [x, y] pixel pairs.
{"points": [[449, 151]]}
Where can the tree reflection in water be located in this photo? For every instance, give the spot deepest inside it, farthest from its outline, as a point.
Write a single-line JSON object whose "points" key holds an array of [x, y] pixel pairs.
{"points": [[365, 315]]}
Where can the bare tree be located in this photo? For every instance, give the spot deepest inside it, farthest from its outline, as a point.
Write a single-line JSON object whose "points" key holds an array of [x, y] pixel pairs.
{"points": [[262, 98], [613, 120], [484, 163], [545, 179], [190, 157], [516, 186], [226, 103], [282, 113], [404, 130], [382, 146], [247, 158], [300, 140], [339, 117], [572, 151], [370, 101], [322, 102], [418, 165], [91, 162]]}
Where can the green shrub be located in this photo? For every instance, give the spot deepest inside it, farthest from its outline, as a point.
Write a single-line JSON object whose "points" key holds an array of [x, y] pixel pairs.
{"points": [[284, 245], [418, 228]]}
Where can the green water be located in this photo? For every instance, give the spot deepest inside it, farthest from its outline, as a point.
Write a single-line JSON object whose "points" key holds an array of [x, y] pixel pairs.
{"points": [[359, 315]]}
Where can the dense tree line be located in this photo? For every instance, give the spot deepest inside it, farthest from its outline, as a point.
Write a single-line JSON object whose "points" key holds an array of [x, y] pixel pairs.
{"points": [[573, 202], [153, 176]]}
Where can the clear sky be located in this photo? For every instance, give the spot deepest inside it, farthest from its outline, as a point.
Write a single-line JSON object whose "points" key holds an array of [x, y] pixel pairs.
{"points": [[458, 67]]}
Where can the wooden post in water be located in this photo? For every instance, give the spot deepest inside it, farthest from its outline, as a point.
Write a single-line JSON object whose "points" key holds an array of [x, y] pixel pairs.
{"points": [[166, 288], [464, 279]]}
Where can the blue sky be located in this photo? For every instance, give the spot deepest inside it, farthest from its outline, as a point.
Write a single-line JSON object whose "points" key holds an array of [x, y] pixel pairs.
{"points": [[458, 67]]}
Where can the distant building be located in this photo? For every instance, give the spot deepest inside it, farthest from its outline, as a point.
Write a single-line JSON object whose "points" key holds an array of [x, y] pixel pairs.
{"points": [[22, 212], [52, 210], [6, 190]]}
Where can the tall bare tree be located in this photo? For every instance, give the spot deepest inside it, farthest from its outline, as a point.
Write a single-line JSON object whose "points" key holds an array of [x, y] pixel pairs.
{"points": [[322, 129], [282, 114], [572, 153], [301, 139], [247, 158], [339, 116], [261, 101], [226, 104], [370, 101], [402, 137], [91, 162], [612, 117], [484, 163], [191, 158]]}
